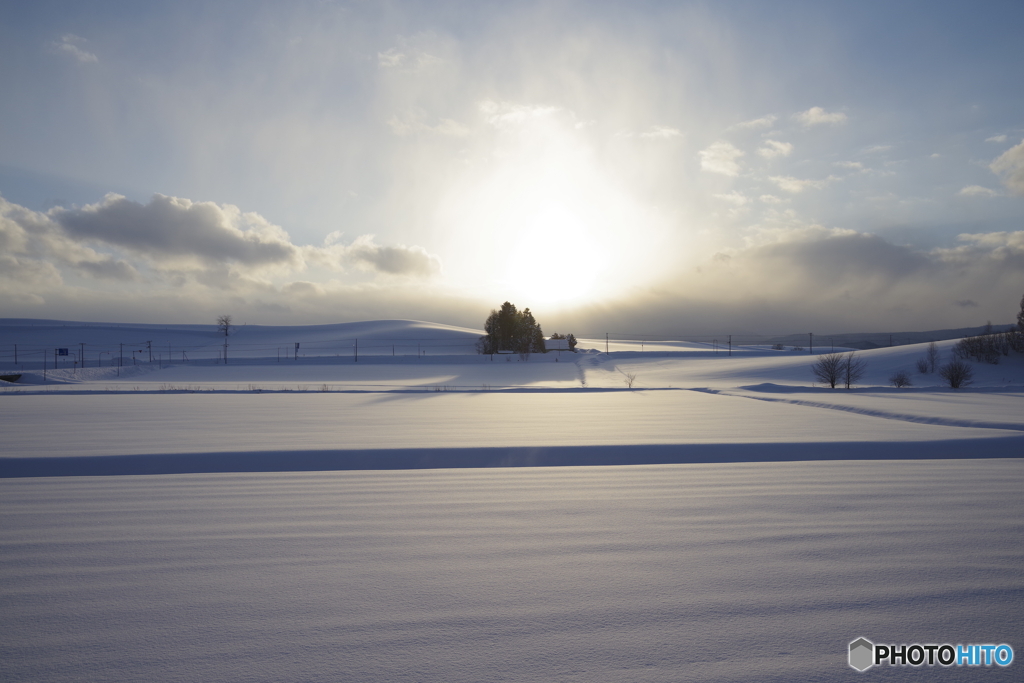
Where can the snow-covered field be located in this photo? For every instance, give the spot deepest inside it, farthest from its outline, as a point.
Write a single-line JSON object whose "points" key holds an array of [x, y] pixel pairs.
{"points": [[753, 526]]}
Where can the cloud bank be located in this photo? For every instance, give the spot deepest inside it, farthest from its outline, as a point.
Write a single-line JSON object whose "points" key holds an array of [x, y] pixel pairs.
{"points": [[197, 253], [175, 260]]}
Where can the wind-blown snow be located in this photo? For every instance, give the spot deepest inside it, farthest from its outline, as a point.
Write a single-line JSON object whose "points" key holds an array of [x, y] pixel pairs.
{"points": [[736, 572]]}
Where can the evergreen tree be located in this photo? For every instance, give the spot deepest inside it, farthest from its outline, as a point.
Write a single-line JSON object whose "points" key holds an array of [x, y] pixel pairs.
{"points": [[509, 329]]}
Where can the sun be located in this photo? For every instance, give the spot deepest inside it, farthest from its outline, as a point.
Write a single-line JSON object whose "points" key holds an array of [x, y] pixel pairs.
{"points": [[538, 219], [554, 258]]}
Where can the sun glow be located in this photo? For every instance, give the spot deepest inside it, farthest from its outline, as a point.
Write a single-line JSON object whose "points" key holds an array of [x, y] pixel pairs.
{"points": [[555, 258], [538, 218]]}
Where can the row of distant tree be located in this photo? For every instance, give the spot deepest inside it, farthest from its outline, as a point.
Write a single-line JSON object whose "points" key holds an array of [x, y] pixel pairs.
{"points": [[837, 368]]}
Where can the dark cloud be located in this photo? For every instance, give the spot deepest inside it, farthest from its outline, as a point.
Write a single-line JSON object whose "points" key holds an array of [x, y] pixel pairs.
{"points": [[396, 260], [826, 282], [170, 226], [847, 258]]}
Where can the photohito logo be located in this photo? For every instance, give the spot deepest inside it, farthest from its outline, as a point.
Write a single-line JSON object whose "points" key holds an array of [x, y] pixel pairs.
{"points": [[864, 654]]}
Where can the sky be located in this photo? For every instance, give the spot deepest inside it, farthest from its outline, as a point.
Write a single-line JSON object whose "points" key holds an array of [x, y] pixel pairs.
{"points": [[646, 168]]}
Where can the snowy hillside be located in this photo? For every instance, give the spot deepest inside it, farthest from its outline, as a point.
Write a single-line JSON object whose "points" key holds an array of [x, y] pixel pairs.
{"points": [[430, 401], [445, 547]]}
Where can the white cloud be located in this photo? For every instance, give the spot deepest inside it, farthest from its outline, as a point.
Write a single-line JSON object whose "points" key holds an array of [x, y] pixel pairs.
{"points": [[996, 138], [853, 165], [733, 198], [774, 148], [412, 60], [661, 133], [411, 124], [796, 185], [721, 157], [69, 45], [1010, 166], [977, 191], [771, 199], [816, 116], [391, 58], [509, 114], [763, 122]]}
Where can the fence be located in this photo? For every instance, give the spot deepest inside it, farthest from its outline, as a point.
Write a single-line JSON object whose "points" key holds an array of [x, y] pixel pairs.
{"points": [[401, 349]]}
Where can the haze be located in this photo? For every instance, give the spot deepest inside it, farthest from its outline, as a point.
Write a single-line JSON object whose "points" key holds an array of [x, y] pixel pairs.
{"points": [[648, 168]]}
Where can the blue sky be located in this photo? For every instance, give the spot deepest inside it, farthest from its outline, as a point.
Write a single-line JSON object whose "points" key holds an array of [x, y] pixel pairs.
{"points": [[646, 167]]}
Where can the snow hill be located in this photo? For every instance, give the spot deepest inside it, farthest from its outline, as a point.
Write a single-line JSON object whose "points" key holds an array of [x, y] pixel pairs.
{"points": [[416, 395]]}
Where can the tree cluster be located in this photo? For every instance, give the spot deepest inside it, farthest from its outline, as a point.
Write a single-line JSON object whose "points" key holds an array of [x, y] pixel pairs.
{"points": [[511, 330], [988, 347]]}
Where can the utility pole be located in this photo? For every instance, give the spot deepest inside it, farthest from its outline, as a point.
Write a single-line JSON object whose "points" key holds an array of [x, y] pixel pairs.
{"points": [[82, 355], [730, 344], [357, 350], [296, 350], [149, 347]]}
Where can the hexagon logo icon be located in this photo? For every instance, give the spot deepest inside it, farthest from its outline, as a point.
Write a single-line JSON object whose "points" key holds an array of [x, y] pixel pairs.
{"points": [[862, 653]]}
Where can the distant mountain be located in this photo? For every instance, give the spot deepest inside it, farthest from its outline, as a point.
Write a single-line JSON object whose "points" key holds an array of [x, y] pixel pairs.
{"points": [[875, 340]]}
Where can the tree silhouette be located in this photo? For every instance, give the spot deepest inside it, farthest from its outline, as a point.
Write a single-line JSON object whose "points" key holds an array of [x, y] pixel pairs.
{"points": [[511, 330]]}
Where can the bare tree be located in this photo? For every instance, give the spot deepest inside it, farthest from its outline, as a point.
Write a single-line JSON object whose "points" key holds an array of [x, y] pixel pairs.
{"points": [[922, 365], [899, 379], [957, 373], [853, 369], [630, 379], [932, 356], [828, 369]]}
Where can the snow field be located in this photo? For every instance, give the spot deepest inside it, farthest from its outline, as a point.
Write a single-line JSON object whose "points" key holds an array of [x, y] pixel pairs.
{"points": [[734, 572], [743, 568], [131, 424]]}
